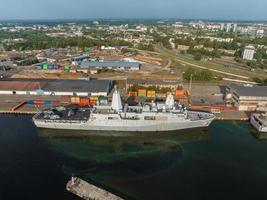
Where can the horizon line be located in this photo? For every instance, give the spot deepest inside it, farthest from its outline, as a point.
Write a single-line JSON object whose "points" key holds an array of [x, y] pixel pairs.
{"points": [[151, 18]]}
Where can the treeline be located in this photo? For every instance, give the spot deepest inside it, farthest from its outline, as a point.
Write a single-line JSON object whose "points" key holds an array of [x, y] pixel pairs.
{"points": [[261, 82], [163, 40], [199, 53], [206, 43], [37, 40], [146, 47]]}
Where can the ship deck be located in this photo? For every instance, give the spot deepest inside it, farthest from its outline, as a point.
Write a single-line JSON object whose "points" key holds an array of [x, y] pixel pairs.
{"points": [[78, 114]]}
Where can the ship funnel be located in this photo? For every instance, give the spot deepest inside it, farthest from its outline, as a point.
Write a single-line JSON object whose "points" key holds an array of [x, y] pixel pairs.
{"points": [[169, 101], [116, 101]]}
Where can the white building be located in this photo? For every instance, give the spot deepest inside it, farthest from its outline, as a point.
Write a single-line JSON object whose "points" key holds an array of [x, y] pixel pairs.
{"points": [[222, 27], [251, 98], [235, 28], [228, 27], [249, 52]]}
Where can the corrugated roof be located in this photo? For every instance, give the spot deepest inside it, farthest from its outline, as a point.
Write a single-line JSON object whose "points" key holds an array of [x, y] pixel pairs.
{"points": [[78, 86], [257, 91], [20, 85], [56, 85], [113, 64]]}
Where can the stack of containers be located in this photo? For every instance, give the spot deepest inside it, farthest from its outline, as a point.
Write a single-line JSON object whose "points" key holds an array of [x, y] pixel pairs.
{"points": [[93, 100], [142, 93], [75, 100], [45, 66], [179, 93], [132, 94], [151, 94], [182, 96], [84, 102], [67, 68]]}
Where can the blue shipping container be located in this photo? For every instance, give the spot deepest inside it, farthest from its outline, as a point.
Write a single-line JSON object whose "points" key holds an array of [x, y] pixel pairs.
{"points": [[30, 102], [47, 102]]}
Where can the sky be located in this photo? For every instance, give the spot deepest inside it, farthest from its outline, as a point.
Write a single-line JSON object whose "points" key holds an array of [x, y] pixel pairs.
{"points": [[118, 9]]}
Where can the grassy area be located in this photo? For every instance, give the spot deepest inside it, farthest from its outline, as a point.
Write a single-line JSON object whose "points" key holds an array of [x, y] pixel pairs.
{"points": [[237, 71]]}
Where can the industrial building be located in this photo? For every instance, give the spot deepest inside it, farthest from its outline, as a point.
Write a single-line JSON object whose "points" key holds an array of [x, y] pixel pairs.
{"points": [[115, 65], [79, 88], [248, 98]]}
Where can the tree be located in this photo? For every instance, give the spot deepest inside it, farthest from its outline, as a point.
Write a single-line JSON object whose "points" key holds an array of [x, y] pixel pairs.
{"points": [[188, 73], [198, 56]]}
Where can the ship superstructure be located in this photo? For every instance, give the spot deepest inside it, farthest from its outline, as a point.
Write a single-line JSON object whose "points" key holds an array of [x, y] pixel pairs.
{"points": [[259, 121], [149, 117]]}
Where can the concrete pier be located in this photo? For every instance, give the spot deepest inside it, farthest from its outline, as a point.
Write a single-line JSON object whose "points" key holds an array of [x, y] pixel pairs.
{"points": [[88, 191], [233, 115]]}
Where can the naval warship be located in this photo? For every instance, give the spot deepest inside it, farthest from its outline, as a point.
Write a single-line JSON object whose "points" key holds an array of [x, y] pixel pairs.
{"points": [[148, 117]]}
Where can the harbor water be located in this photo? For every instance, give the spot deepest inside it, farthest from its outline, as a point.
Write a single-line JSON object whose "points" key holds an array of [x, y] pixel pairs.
{"points": [[225, 161]]}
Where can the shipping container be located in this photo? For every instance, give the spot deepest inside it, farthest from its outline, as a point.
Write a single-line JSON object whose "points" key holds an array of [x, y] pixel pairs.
{"points": [[142, 95], [93, 102], [38, 102], [132, 94], [142, 92], [151, 93], [93, 98], [39, 65], [48, 102], [179, 93], [75, 100], [31, 102], [84, 101], [67, 67], [45, 66]]}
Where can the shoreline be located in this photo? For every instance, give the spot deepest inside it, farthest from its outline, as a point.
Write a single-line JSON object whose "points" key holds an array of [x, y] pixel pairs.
{"points": [[223, 116]]}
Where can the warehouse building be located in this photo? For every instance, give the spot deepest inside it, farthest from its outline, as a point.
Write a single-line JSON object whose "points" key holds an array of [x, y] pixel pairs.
{"points": [[79, 88], [248, 98], [115, 65]]}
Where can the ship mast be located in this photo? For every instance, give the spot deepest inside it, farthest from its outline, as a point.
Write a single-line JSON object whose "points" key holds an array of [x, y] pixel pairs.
{"points": [[116, 100]]}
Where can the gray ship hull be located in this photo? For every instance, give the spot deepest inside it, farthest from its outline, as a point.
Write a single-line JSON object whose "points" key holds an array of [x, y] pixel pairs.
{"points": [[102, 124]]}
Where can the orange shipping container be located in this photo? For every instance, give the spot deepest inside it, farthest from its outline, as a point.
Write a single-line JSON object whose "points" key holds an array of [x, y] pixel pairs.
{"points": [[38, 102], [93, 102], [142, 92], [151, 94], [85, 101], [179, 93], [132, 94]]}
